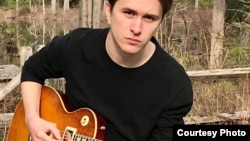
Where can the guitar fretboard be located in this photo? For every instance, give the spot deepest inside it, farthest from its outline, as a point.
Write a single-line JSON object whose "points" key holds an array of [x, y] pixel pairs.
{"points": [[78, 137]]}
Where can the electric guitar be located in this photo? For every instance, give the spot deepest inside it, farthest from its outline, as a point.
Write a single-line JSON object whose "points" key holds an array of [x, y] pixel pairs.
{"points": [[80, 125]]}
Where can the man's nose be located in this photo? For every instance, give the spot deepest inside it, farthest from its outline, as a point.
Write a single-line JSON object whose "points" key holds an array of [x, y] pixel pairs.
{"points": [[136, 26]]}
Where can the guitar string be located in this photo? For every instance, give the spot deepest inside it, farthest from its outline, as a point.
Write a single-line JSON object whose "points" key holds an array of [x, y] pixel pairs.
{"points": [[81, 137]]}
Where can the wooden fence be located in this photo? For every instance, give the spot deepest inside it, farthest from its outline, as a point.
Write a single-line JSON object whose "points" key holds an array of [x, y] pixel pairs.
{"points": [[11, 74]]}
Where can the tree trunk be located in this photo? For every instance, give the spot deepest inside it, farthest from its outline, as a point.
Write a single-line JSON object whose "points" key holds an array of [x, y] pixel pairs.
{"points": [[217, 34], [86, 13], [66, 5], [53, 6], [43, 7], [90, 13], [97, 12], [196, 4], [30, 4], [17, 8]]}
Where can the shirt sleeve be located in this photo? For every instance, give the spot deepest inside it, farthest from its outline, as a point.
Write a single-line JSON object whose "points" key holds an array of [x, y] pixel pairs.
{"points": [[46, 63], [181, 105]]}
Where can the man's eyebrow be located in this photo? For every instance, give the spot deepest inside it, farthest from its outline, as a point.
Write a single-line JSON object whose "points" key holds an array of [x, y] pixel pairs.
{"points": [[128, 9], [152, 15], [146, 14]]}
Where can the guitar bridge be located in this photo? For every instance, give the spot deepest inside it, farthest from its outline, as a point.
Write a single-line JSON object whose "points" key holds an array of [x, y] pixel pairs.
{"points": [[69, 133]]}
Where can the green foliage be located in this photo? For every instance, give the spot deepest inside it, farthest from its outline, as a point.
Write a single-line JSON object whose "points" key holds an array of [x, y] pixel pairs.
{"points": [[238, 15], [202, 3], [206, 3], [242, 25], [8, 3], [12, 3], [24, 3], [7, 43], [239, 56], [6, 30], [237, 10]]}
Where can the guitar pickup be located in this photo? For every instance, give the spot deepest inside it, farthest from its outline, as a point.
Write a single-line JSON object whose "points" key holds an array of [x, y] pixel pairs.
{"points": [[69, 133]]}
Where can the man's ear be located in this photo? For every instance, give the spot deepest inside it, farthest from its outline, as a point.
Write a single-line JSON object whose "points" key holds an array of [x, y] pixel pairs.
{"points": [[108, 11]]}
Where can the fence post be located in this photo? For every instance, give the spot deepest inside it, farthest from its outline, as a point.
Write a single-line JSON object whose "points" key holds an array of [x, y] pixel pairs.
{"points": [[25, 53]]}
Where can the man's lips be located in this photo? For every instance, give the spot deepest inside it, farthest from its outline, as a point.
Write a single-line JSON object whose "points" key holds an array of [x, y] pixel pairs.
{"points": [[133, 41]]}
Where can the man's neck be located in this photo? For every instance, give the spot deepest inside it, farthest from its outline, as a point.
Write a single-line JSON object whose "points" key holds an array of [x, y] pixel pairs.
{"points": [[129, 60]]}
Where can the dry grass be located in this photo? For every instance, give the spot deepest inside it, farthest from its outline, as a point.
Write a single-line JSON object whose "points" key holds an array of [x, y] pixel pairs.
{"points": [[8, 105], [212, 97]]}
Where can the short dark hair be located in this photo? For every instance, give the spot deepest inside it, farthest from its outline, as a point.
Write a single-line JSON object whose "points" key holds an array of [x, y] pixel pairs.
{"points": [[166, 5]]}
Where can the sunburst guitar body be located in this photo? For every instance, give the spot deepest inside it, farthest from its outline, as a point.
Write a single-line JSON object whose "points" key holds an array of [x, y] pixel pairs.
{"points": [[79, 125]]}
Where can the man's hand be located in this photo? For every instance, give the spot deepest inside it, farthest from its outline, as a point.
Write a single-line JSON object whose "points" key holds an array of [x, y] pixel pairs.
{"points": [[42, 130]]}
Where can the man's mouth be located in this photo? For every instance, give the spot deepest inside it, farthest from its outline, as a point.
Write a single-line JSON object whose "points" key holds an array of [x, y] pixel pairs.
{"points": [[133, 41]]}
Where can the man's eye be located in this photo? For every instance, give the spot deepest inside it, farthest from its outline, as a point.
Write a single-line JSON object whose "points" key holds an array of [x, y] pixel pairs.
{"points": [[149, 18], [129, 13]]}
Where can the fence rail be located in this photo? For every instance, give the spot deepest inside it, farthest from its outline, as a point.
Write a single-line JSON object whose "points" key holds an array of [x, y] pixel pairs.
{"points": [[240, 116], [219, 73]]}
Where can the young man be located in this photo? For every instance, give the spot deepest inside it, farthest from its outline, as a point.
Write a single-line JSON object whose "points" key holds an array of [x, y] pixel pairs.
{"points": [[120, 72]]}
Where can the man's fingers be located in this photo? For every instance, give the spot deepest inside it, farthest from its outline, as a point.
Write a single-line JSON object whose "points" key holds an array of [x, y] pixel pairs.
{"points": [[54, 132]]}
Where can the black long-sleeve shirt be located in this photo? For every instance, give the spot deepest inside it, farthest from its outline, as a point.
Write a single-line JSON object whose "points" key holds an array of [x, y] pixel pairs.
{"points": [[139, 104]]}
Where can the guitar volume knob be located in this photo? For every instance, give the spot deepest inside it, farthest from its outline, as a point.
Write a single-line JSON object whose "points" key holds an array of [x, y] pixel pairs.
{"points": [[84, 120]]}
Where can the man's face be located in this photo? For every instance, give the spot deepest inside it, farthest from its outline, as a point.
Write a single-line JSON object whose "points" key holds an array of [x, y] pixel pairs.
{"points": [[133, 23]]}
